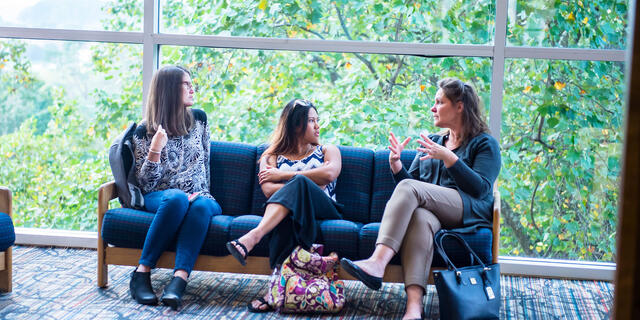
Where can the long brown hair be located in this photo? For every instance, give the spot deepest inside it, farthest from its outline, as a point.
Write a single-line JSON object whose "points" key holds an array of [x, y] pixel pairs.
{"points": [[165, 103], [472, 118], [293, 122]]}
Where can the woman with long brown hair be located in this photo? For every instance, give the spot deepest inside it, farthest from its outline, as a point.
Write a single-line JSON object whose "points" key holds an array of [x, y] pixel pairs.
{"points": [[298, 177], [171, 148], [449, 185]]}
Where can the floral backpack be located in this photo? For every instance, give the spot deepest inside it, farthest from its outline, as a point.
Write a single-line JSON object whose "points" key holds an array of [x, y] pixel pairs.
{"points": [[307, 282]]}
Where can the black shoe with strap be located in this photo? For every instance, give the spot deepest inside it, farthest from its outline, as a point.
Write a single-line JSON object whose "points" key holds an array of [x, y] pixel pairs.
{"points": [[140, 288], [172, 295]]}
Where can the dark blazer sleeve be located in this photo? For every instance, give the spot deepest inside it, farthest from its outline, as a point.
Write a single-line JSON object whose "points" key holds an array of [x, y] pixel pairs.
{"points": [[477, 178]]}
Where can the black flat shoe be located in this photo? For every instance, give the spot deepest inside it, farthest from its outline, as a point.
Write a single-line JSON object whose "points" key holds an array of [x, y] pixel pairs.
{"points": [[140, 288], [370, 281], [231, 246], [172, 295]]}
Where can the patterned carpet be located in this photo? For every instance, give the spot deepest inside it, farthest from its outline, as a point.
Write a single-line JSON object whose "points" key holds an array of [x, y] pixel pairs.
{"points": [[56, 283]]}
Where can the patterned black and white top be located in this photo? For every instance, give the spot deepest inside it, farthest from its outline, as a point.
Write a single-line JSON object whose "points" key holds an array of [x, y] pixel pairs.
{"points": [[184, 161], [312, 161]]}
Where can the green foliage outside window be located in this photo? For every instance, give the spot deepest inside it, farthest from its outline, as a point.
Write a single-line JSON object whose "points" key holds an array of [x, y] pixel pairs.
{"points": [[561, 121]]}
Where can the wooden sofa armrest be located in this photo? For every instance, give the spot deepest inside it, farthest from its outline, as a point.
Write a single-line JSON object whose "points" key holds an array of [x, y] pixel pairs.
{"points": [[5, 201], [106, 193], [6, 257], [495, 246]]}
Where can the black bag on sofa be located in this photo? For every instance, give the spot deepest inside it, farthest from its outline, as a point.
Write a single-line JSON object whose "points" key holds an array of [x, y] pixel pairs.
{"points": [[122, 162], [470, 292]]}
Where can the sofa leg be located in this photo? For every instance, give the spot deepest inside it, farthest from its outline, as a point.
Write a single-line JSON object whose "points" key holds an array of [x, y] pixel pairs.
{"points": [[103, 269], [6, 275]]}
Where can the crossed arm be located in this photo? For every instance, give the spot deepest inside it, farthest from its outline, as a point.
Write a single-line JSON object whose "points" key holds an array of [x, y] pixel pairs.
{"points": [[271, 178]]}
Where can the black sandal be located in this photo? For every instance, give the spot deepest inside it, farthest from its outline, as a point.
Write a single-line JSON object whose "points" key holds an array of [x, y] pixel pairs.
{"points": [[231, 246], [263, 302]]}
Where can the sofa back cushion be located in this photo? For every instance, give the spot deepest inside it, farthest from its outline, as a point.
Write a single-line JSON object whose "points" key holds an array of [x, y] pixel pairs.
{"points": [[232, 168], [383, 183], [353, 188], [258, 199]]}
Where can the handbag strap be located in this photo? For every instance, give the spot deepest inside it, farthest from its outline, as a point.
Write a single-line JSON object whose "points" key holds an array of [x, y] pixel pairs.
{"points": [[441, 251]]}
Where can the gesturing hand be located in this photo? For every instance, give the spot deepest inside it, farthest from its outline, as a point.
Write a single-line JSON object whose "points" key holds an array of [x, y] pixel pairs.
{"points": [[396, 150], [436, 151], [270, 174], [159, 140]]}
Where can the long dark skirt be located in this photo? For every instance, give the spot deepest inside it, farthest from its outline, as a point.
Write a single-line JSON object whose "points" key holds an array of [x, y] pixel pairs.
{"points": [[309, 205]]}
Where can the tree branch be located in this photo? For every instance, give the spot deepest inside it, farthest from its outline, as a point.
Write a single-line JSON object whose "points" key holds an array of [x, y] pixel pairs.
{"points": [[301, 28], [334, 75], [392, 81], [538, 137], [346, 32], [533, 197], [512, 221]]}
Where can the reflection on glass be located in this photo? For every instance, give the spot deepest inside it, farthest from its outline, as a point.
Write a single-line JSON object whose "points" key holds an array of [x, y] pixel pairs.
{"points": [[61, 103], [360, 98], [561, 148], [600, 24], [430, 21], [123, 15]]}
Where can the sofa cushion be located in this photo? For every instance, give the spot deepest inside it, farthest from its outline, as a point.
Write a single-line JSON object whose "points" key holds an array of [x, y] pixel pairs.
{"points": [[383, 183], [340, 236], [232, 168], [257, 197], [7, 233], [217, 236], [127, 228], [353, 188], [480, 242], [241, 225]]}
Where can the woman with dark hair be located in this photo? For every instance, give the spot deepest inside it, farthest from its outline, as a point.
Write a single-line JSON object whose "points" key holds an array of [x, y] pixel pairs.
{"points": [[298, 177], [171, 148], [449, 185]]}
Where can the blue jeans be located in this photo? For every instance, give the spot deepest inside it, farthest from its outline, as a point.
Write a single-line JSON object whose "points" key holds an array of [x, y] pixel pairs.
{"points": [[177, 220]]}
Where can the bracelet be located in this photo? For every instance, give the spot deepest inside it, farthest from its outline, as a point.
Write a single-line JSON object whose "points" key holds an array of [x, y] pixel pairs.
{"points": [[153, 151]]}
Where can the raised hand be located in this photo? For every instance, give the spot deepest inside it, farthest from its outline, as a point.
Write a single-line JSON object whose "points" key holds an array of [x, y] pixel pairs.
{"points": [[396, 151], [433, 150], [159, 140]]}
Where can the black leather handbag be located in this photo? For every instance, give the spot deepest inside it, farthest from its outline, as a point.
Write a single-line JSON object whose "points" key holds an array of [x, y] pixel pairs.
{"points": [[470, 292]]}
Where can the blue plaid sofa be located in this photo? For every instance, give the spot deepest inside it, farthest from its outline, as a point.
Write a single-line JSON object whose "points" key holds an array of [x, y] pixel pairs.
{"points": [[7, 238], [364, 186]]}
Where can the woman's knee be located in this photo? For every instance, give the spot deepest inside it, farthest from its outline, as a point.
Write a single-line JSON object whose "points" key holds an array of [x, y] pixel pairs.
{"points": [[176, 199], [206, 207], [405, 188]]}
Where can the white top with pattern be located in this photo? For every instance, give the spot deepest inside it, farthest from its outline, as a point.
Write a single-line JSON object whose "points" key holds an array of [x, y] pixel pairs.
{"points": [[312, 161], [184, 162]]}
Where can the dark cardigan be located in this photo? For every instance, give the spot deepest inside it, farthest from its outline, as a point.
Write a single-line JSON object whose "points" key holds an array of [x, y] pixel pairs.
{"points": [[472, 175]]}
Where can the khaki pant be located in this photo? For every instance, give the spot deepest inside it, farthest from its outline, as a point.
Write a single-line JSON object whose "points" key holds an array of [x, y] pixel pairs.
{"points": [[415, 212]]}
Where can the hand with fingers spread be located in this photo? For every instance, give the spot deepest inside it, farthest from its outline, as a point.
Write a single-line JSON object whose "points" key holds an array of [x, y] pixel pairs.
{"points": [[396, 150], [270, 174], [436, 151]]}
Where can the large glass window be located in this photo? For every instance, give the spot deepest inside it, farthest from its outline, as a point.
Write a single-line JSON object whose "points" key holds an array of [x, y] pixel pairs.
{"points": [[360, 97], [426, 21], [61, 104], [561, 147], [72, 14], [572, 24]]}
